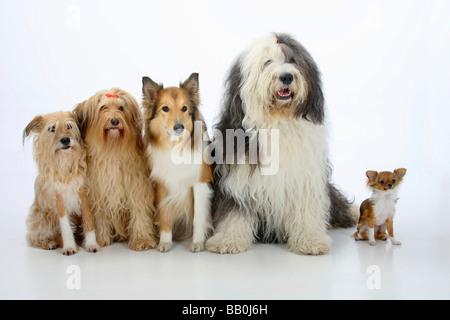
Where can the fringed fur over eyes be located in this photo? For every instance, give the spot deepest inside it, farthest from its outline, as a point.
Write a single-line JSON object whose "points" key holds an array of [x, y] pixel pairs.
{"points": [[88, 112], [310, 107], [40, 122]]}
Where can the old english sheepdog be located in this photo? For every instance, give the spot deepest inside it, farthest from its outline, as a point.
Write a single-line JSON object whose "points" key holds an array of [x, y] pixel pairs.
{"points": [[274, 102]]}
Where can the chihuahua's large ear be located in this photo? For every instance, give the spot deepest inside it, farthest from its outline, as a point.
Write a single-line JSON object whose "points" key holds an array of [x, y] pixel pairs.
{"points": [[150, 89], [400, 173], [34, 126], [192, 87], [372, 175]]}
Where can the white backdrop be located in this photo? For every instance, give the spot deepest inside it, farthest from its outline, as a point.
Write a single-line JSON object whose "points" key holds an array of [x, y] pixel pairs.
{"points": [[385, 67]]}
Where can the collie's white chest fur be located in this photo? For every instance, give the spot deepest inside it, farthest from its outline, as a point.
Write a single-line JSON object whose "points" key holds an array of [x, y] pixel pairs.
{"points": [[384, 205], [178, 177]]}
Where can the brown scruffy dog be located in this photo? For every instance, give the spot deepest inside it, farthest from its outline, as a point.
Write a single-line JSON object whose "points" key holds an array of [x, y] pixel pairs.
{"points": [[117, 176], [60, 206]]}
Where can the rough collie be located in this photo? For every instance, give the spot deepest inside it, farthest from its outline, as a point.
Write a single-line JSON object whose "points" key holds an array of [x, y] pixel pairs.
{"points": [[60, 207], [117, 176], [273, 96], [176, 136]]}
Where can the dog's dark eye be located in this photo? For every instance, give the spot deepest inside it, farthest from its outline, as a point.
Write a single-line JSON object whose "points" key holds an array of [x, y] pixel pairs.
{"points": [[52, 129], [292, 61], [184, 109], [165, 109], [382, 182], [103, 108], [393, 181], [69, 126], [120, 108]]}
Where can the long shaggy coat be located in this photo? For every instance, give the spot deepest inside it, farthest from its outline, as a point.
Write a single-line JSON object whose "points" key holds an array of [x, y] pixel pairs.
{"points": [[274, 86]]}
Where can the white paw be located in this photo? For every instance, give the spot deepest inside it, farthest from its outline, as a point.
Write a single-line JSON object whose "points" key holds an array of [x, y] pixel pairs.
{"points": [[314, 246], [372, 243], [219, 243], [165, 246], [197, 247], [396, 242], [93, 248], [69, 251]]}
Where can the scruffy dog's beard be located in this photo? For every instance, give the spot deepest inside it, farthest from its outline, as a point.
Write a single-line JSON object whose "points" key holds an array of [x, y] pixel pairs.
{"points": [[113, 136]]}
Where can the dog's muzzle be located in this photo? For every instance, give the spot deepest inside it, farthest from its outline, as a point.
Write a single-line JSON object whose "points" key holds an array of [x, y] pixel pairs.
{"points": [[65, 143]]}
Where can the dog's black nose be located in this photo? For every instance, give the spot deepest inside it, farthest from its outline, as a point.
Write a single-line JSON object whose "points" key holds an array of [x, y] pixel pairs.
{"points": [[115, 122], [178, 127], [286, 78], [65, 141]]}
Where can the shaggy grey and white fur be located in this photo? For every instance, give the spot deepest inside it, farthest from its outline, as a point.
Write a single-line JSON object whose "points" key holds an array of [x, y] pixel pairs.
{"points": [[274, 88]]}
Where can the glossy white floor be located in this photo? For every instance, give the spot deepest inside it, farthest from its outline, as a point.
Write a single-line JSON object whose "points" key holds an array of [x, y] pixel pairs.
{"points": [[384, 68], [416, 270]]}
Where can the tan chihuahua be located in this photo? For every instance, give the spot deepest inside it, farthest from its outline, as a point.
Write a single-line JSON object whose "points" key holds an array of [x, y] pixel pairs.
{"points": [[377, 212]]}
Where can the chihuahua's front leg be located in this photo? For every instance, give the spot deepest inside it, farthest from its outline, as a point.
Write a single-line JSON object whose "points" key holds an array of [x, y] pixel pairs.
{"points": [[390, 230]]}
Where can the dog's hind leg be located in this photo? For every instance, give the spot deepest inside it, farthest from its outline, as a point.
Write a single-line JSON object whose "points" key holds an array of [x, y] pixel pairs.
{"points": [[43, 229]]}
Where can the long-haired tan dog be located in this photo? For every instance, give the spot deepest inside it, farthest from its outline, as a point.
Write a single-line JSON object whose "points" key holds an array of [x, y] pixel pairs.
{"points": [[60, 195], [119, 189]]}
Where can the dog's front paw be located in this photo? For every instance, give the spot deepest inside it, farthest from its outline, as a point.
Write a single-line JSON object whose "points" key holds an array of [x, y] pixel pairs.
{"points": [[104, 242], [197, 247], [313, 247], [69, 251], [93, 248], [50, 245], [142, 244], [372, 243], [396, 242], [165, 246], [219, 243]]}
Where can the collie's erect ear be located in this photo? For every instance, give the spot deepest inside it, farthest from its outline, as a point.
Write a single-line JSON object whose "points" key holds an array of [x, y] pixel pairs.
{"points": [[150, 90], [191, 84], [34, 126]]}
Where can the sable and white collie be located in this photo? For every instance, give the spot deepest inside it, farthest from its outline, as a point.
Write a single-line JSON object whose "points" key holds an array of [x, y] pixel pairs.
{"points": [[176, 136], [60, 207], [273, 97], [117, 177]]}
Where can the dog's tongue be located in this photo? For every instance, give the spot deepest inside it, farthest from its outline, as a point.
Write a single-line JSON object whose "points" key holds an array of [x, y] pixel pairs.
{"points": [[285, 92]]}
